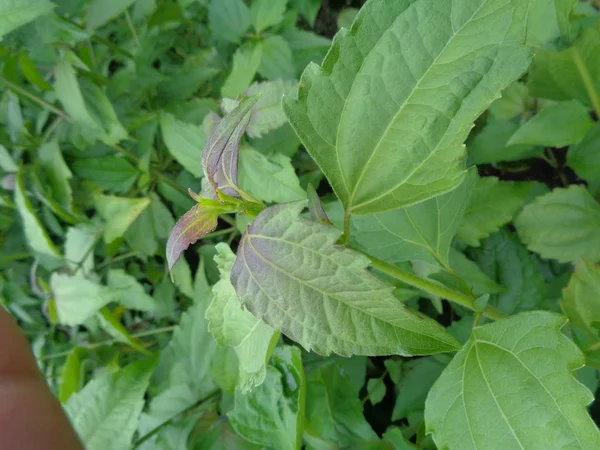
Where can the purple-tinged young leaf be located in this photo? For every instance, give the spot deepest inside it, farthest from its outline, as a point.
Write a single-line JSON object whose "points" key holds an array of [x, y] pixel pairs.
{"points": [[193, 225], [315, 207], [220, 155]]}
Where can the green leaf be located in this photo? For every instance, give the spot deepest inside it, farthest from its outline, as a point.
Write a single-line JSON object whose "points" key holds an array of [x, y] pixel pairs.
{"points": [[212, 432], [31, 72], [270, 179], [306, 47], [549, 23], [557, 125], [267, 114], [580, 303], [102, 110], [469, 271], [272, 414], [346, 17], [288, 268], [100, 12], [118, 213], [493, 204], [307, 9], [228, 19], [584, 157], [418, 376], [36, 236], [112, 173], [246, 60], [77, 299], [15, 13], [505, 260], [193, 225], [513, 102], [490, 144], [277, 62], [72, 374], [79, 248], [267, 13], [333, 410], [559, 76], [562, 225], [129, 292], [405, 144], [109, 323], [376, 390], [7, 163], [117, 399], [184, 142], [57, 174], [421, 232], [487, 380], [231, 325]]}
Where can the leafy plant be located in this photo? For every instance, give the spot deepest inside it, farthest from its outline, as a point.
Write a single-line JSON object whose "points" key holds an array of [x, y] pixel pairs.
{"points": [[397, 250]]}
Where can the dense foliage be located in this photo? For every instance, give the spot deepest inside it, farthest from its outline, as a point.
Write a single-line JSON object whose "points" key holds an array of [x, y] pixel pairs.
{"points": [[223, 228]]}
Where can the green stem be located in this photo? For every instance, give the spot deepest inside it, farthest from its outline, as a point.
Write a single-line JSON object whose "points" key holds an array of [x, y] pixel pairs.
{"points": [[219, 233], [155, 430], [433, 288], [111, 341], [587, 79], [347, 227], [34, 98]]}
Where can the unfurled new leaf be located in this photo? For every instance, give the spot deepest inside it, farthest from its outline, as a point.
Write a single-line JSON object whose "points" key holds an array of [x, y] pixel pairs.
{"points": [[220, 155], [428, 69], [193, 225], [230, 324], [562, 225], [512, 387], [290, 274]]}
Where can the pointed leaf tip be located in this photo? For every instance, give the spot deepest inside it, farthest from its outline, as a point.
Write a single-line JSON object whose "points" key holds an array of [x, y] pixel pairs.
{"points": [[220, 156], [193, 225]]}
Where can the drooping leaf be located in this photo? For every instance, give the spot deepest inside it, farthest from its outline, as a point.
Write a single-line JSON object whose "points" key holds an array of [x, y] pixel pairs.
{"points": [[270, 179], [193, 225], [493, 204], [558, 76], [290, 274], [15, 13], [562, 225], [231, 325], [557, 125], [506, 260], [421, 232], [398, 148], [36, 236], [510, 387], [267, 13], [277, 60], [184, 141], [128, 292], [267, 114], [76, 298], [220, 155], [334, 412], [118, 213], [228, 19], [246, 60], [117, 399], [272, 414]]}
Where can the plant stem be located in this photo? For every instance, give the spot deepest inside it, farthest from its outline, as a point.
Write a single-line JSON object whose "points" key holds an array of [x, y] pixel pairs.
{"points": [[111, 341], [152, 432], [433, 288], [34, 98], [584, 73], [346, 226]]}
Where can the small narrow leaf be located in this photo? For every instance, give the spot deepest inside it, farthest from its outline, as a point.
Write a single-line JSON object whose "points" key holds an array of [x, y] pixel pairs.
{"points": [[220, 155], [512, 387], [562, 225], [290, 274], [193, 225]]}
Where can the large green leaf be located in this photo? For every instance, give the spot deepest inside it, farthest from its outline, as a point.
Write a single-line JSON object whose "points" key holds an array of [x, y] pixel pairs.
{"points": [[512, 387], [492, 204], [562, 225], [421, 232], [290, 274], [252, 340], [36, 236], [428, 69], [14, 13], [334, 412], [272, 414], [106, 411]]}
